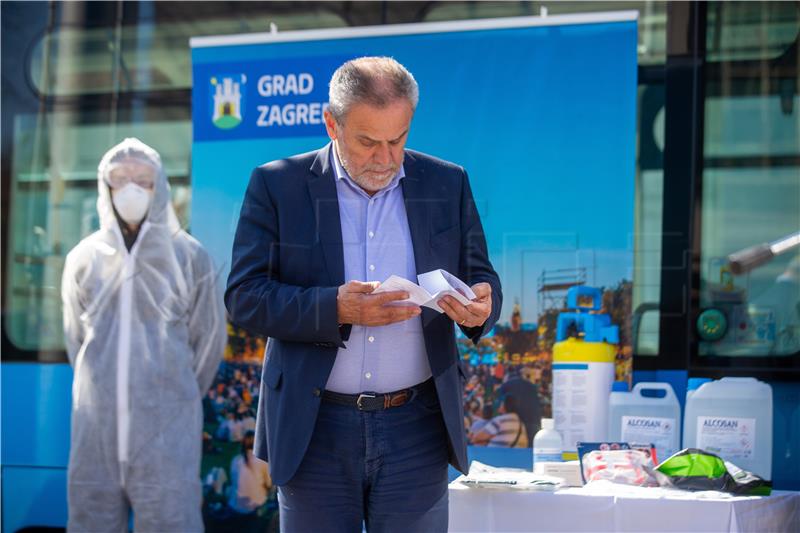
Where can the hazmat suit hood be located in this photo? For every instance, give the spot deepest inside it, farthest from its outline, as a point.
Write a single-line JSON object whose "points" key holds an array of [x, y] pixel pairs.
{"points": [[145, 330], [161, 211]]}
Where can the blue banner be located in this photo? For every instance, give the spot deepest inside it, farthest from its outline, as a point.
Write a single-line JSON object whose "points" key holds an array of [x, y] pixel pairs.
{"points": [[261, 99], [542, 116]]}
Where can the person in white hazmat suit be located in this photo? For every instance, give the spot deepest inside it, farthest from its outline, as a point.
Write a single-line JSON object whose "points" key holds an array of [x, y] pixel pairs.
{"points": [[145, 331]]}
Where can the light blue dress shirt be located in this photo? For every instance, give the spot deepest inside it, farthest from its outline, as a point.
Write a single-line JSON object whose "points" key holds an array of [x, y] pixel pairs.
{"points": [[376, 244]]}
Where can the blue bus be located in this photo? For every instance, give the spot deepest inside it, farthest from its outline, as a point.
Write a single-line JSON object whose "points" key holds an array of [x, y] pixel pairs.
{"points": [[718, 169]]}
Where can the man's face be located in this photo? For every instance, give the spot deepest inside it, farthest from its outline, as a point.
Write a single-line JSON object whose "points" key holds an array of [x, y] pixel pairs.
{"points": [[370, 142]]}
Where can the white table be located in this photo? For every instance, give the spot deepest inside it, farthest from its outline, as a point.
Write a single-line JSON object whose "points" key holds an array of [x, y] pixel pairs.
{"points": [[602, 506]]}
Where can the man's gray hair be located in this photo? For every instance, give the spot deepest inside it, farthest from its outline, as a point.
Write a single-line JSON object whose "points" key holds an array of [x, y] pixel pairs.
{"points": [[377, 81]]}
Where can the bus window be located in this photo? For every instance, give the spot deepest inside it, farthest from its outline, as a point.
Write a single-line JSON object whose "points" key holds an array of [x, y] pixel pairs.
{"points": [[52, 206], [652, 19], [751, 179], [153, 55]]}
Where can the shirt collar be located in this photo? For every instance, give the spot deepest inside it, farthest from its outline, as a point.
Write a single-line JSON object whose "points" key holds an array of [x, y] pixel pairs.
{"points": [[341, 174]]}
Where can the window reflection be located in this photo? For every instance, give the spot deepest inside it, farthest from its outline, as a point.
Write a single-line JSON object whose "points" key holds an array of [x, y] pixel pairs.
{"points": [[53, 199], [751, 180]]}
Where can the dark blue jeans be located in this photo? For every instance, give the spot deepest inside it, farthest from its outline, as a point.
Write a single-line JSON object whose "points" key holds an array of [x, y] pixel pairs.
{"points": [[383, 469]]}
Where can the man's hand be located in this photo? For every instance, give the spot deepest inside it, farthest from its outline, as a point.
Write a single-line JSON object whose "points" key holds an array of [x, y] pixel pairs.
{"points": [[355, 305], [474, 314]]}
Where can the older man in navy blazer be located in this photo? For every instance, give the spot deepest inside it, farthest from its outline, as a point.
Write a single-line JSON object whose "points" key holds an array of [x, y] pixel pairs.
{"points": [[360, 409]]}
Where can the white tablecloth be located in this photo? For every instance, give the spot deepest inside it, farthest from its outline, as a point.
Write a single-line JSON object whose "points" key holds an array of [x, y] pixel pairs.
{"points": [[602, 506]]}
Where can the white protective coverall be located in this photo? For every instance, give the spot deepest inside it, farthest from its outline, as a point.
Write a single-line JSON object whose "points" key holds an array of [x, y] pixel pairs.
{"points": [[145, 331]]}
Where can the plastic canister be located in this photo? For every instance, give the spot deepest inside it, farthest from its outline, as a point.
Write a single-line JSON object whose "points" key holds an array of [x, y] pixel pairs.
{"points": [[547, 445], [732, 418], [644, 418], [693, 384], [582, 376], [619, 391]]}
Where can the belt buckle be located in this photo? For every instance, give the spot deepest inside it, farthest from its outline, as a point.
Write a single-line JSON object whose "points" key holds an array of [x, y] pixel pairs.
{"points": [[362, 396]]}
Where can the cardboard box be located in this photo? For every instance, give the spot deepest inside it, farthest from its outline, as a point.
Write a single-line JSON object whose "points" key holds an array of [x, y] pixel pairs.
{"points": [[569, 471]]}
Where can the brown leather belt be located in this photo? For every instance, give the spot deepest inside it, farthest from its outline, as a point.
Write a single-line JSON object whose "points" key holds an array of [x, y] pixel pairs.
{"points": [[372, 401]]}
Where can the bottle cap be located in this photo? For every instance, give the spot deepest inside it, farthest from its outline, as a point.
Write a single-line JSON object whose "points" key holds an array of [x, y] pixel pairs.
{"points": [[548, 423], [620, 386], [694, 383]]}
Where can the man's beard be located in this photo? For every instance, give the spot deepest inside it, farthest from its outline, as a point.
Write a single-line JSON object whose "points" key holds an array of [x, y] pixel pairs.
{"points": [[372, 178]]}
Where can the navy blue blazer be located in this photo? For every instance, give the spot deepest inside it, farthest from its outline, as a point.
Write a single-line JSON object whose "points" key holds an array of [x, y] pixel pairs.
{"points": [[286, 269]]}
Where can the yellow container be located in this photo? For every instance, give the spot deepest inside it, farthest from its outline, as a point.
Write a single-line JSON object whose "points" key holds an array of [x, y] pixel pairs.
{"points": [[583, 373], [575, 350]]}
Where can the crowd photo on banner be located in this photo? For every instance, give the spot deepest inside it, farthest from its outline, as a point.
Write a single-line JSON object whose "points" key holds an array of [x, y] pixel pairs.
{"points": [[237, 490], [508, 387], [509, 373]]}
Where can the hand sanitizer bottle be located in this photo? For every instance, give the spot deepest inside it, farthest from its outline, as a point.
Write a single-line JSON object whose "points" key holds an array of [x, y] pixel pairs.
{"points": [[547, 446]]}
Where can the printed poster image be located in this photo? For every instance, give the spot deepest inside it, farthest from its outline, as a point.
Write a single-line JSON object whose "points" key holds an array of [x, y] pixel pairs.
{"points": [[229, 420], [542, 117]]}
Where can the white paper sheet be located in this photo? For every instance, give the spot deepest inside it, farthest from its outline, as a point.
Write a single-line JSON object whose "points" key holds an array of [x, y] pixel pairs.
{"points": [[433, 286], [485, 476]]}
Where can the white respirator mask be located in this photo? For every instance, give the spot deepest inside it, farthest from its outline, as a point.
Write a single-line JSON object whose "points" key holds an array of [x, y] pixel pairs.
{"points": [[131, 202]]}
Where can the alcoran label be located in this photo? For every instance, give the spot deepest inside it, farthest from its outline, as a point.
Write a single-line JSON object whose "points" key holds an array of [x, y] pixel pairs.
{"points": [[651, 430], [730, 438]]}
